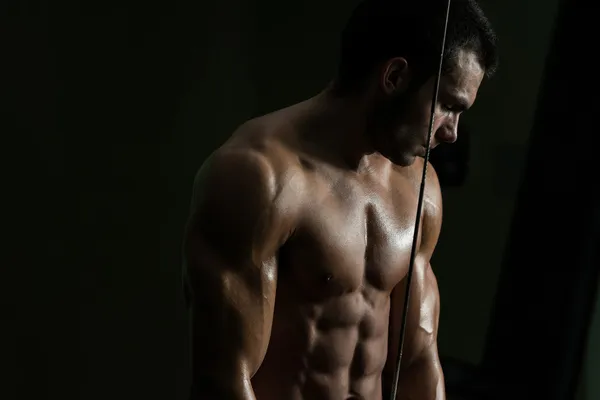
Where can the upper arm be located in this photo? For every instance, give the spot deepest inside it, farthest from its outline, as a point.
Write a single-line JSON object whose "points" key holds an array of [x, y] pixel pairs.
{"points": [[234, 231], [420, 355], [424, 306], [432, 216]]}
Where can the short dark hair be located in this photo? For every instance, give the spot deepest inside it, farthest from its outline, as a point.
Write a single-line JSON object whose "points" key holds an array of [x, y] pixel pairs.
{"points": [[379, 30]]}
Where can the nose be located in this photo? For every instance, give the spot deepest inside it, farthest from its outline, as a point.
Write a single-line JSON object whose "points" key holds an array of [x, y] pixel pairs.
{"points": [[448, 130]]}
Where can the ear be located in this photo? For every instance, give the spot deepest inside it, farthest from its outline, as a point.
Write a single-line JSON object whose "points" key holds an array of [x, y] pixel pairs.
{"points": [[396, 76]]}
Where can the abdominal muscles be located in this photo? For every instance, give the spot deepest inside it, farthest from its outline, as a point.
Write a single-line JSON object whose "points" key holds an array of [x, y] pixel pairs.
{"points": [[334, 350]]}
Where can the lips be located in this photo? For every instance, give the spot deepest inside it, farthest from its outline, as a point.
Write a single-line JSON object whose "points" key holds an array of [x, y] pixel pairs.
{"points": [[431, 147]]}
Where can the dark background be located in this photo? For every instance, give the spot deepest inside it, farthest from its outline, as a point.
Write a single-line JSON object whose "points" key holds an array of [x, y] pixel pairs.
{"points": [[108, 111]]}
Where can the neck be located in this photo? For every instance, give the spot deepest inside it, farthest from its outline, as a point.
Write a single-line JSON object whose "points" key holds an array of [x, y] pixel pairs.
{"points": [[340, 124]]}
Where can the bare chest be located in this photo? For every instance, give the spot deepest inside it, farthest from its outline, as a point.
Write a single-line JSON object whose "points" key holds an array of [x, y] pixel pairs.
{"points": [[352, 237]]}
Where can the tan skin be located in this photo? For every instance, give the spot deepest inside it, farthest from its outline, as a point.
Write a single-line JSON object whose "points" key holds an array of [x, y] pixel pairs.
{"points": [[298, 244]]}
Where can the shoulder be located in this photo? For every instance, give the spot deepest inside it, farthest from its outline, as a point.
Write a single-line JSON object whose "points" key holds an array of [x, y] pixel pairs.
{"points": [[432, 205], [432, 212], [433, 195], [231, 173], [252, 172], [432, 199], [247, 154]]}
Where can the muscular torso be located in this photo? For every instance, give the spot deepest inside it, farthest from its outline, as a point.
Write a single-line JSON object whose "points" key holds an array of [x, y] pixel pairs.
{"points": [[297, 270], [349, 250]]}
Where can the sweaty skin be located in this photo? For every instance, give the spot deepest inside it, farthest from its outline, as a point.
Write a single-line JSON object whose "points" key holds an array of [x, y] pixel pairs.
{"points": [[296, 268]]}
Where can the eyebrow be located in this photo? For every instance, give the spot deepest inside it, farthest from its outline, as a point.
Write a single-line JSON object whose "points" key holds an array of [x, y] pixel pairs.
{"points": [[461, 102]]}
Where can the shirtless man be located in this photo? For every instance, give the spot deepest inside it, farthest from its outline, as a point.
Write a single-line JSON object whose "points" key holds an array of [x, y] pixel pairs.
{"points": [[301, 225]]}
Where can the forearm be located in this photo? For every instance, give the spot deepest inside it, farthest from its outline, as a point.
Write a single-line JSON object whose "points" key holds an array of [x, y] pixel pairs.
{"points": [[211, 389], [423, 380]]}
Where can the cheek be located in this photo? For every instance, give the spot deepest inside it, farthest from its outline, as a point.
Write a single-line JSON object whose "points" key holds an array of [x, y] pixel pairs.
{"points": [[439, 119], [420, 116], [443, 119], [407, 135]]}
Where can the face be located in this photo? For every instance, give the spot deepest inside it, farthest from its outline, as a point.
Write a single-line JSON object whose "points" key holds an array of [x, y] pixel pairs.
{"points": [[401, 115]]}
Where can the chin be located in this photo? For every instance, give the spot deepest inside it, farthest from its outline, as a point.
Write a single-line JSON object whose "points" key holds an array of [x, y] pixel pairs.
{"points": [[402, 160], [398, 152]]}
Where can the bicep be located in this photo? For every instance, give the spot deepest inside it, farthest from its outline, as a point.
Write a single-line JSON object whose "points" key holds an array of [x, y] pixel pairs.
{"points": [[232, 308], [423, 310], [421, 375], [422, 319], [230, 255], [420, 342]]}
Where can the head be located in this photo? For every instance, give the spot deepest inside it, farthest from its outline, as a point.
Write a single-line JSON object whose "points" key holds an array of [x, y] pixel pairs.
{"points": [[390, 58]]}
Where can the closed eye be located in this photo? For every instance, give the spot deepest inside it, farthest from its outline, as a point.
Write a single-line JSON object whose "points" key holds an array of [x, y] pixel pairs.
{"points": [[456, 108]]}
